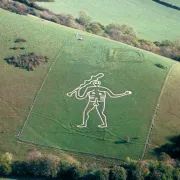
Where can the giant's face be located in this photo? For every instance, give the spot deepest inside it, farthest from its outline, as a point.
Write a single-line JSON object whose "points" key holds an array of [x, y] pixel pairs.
{"points": [[97, 83]]}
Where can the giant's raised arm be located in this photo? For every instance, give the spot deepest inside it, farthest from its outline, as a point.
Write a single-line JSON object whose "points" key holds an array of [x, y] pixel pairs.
{"points": [[84, 95], [112, 95]]}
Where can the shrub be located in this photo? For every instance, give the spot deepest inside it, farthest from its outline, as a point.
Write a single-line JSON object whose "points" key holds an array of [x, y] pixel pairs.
{"points": [[69, 171], [27, 61], [170, 52], [127, 139], [160, 66], [67, 20], [43, 165], [157, 43], [161, 171], [123, 29], [5, 164], [167, 43], [96, 28], [18, 40], [102, 174], [46, 15], [147, 45], [20, 168], [118, 173], [83, 19], [163, 156], [176, 173], [122, 33], [141, 170], [15, 48]]}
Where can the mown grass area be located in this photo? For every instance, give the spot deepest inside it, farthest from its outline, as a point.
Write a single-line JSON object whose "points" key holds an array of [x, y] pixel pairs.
{"points": [[54, 116], [149, 19]]}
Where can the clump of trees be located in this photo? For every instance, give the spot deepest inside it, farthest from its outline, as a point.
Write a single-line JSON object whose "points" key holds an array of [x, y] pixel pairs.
{"points": [[27, 61], [117, 32], [50, 166]]}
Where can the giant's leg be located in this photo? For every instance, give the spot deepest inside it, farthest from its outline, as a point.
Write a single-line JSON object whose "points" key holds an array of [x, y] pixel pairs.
{"points": [[100, 110], [89, 107]]}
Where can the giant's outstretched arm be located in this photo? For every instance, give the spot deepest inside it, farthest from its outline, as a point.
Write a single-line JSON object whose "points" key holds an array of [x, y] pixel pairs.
{"points": [[112, 95]]}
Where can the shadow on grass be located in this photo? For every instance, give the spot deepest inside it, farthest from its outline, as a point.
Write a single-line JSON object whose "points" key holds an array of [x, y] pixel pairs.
{"points": [[125, 142], [120, 142], [167, 4], [172, 148]]}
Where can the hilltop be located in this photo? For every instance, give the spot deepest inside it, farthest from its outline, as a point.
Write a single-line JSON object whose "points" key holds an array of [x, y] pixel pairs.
{"points": [[150, 20]]}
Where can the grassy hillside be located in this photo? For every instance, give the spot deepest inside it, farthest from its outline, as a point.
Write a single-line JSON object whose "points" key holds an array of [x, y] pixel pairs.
{"points": [[53, 117], [167, 120], [149, 19]]}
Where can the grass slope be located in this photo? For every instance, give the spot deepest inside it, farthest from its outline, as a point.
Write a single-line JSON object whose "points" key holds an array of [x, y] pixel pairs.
{"points": [[150, 20], [167, 121], [53, 119]]}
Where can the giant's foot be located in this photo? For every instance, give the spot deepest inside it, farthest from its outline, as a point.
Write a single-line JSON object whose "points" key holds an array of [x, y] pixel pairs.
{"points": [[82, 126], [102, 126]]}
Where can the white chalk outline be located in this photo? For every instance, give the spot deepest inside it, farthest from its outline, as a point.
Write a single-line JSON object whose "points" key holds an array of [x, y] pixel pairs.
{"points": [[102, 91]]}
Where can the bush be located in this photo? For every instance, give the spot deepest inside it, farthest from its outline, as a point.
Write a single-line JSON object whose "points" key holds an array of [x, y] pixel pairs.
{"points": [[160, 66], [176, 173], [141, 170], [83, 19], [43, 165], [118, 173], [127, 139], [161, 171], [27, 61], [18, 40], [157, 43], [5, 164], [66, 19], [122, 29], [102, 174], [167, 43], [96, 28], [46, 15], [69, 171], [163, 156], [122, 33], [147, 45], [20, 168]]}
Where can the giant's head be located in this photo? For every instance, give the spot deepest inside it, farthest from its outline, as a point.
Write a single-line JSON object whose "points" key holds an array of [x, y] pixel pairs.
{"points": [[96, 83]]}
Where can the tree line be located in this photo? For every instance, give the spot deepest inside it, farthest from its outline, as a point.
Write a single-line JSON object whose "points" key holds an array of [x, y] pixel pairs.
{"points": [[51, 166]]}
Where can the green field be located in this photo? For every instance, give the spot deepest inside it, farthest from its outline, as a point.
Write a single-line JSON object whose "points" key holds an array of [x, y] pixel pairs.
{"points": [[54, 116], [149, 19]]}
